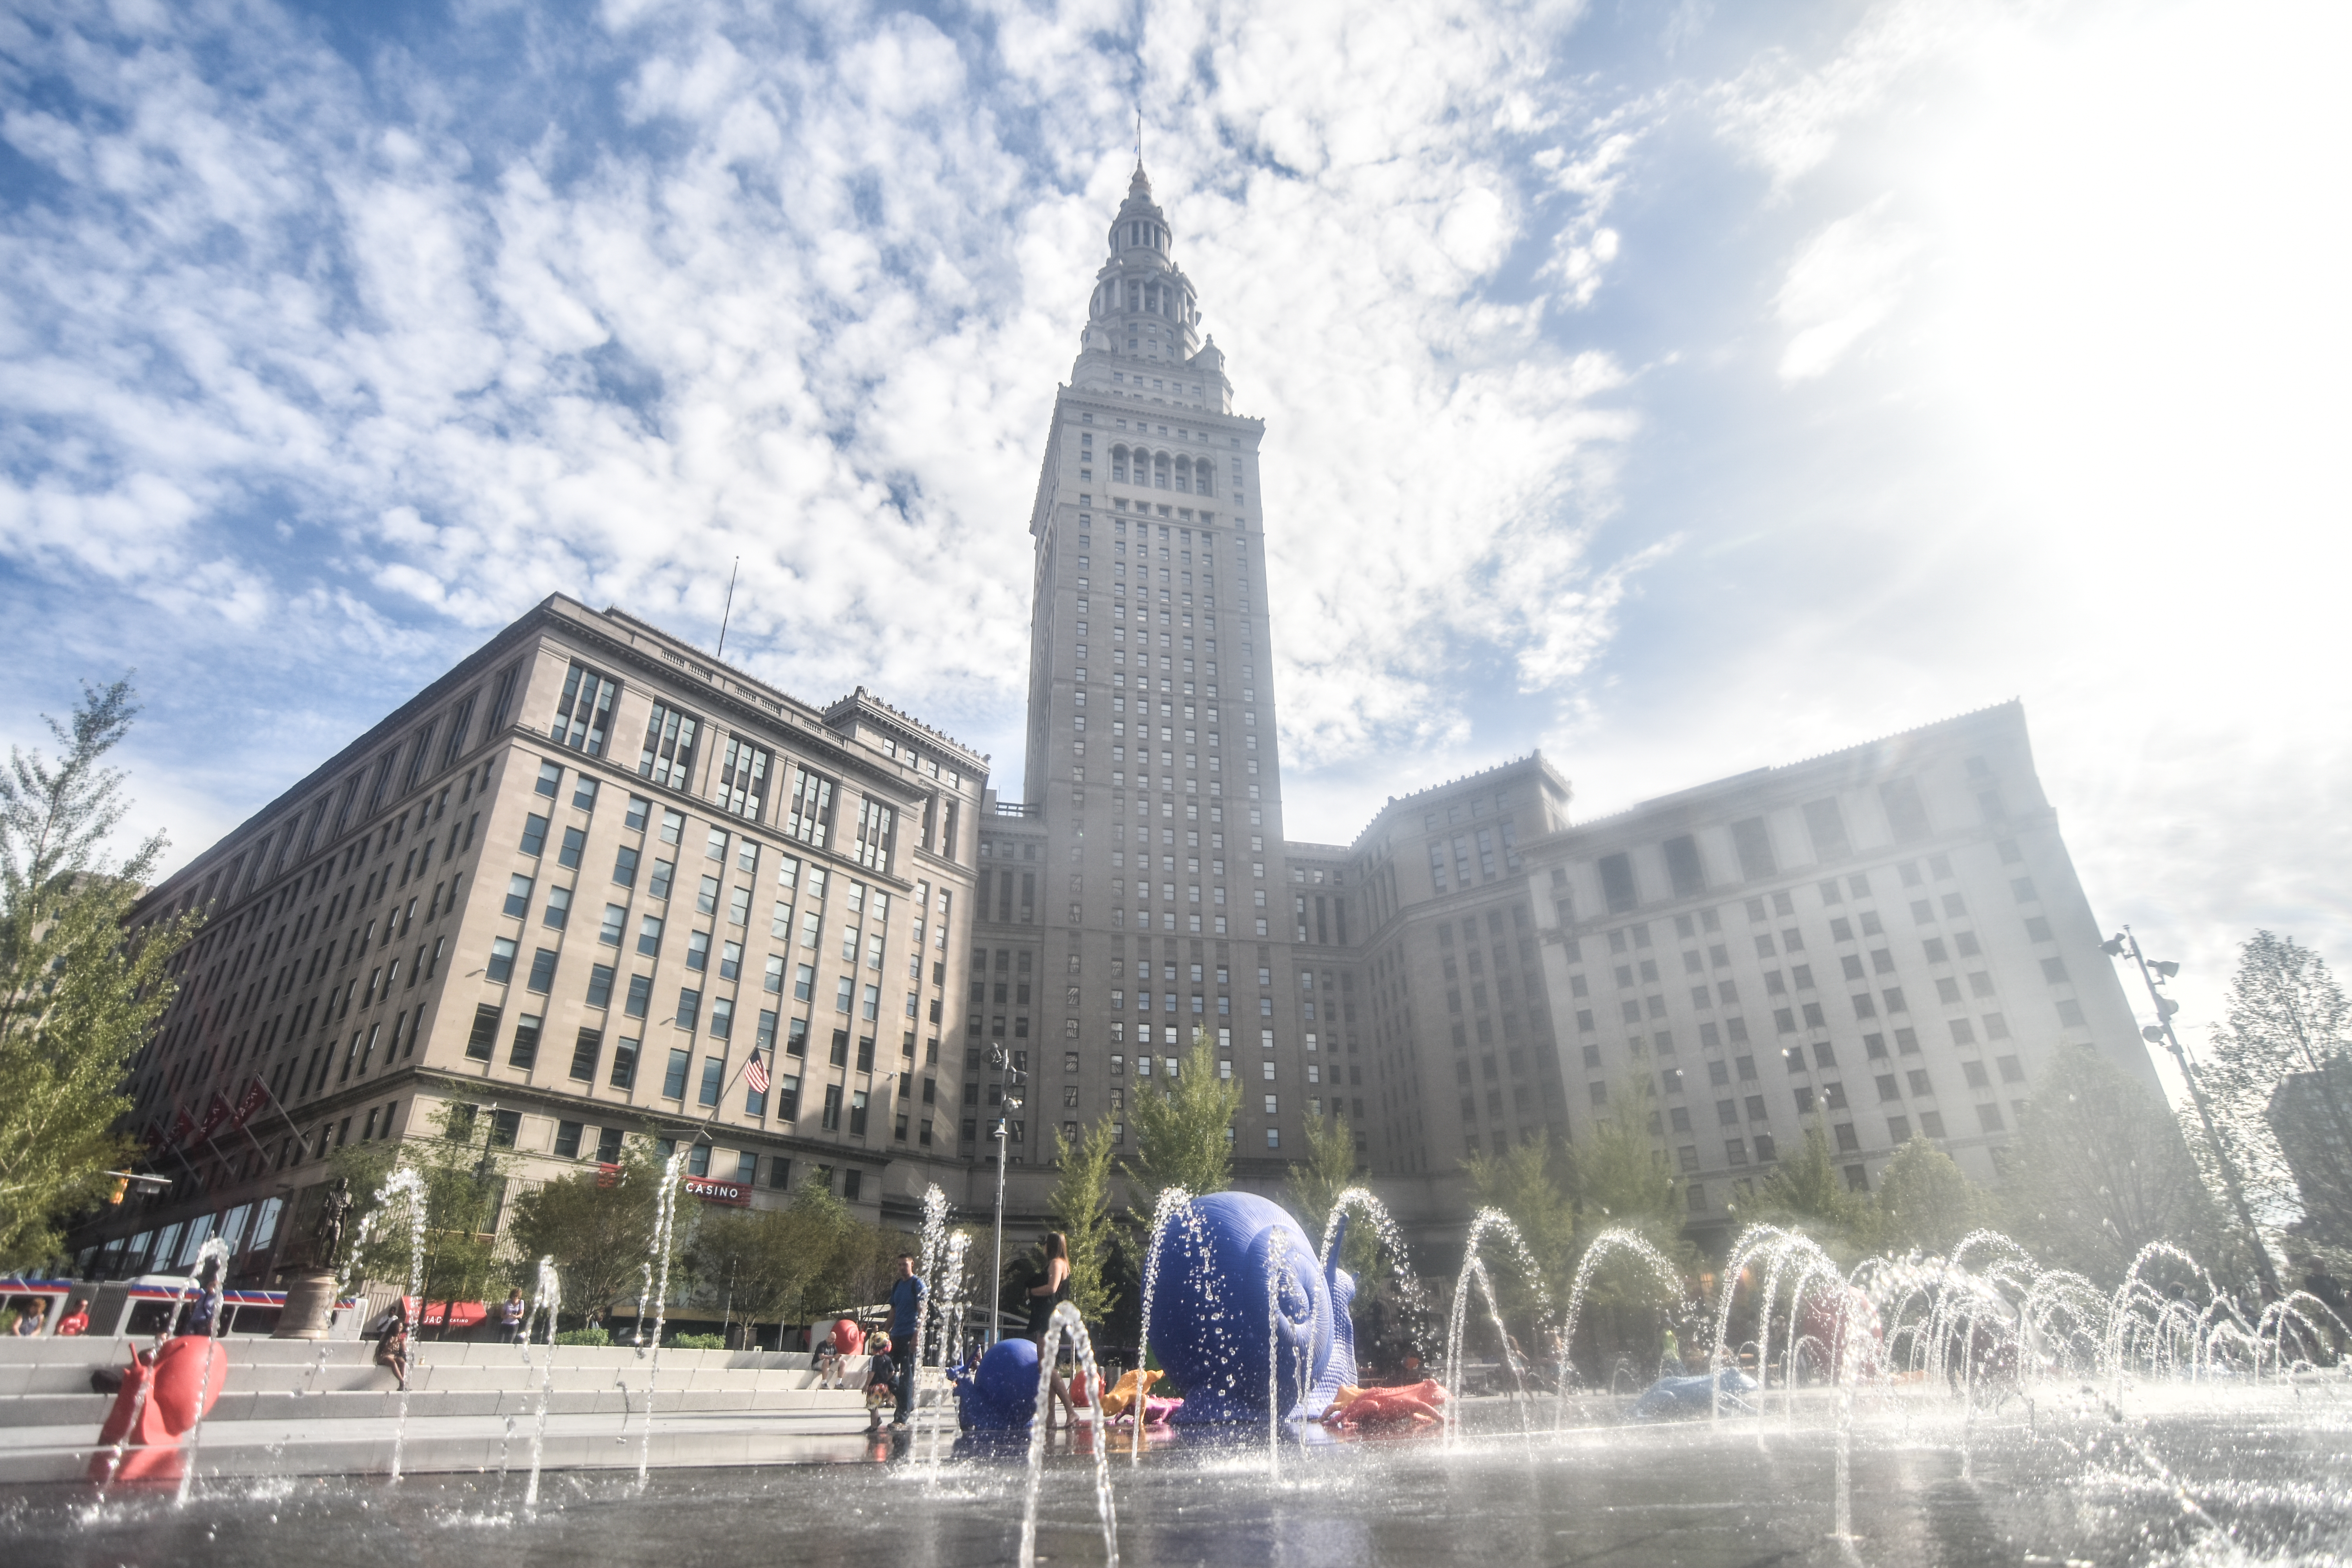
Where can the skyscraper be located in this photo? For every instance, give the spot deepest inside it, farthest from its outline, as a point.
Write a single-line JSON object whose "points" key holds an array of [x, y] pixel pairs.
{"points": [[1142, 889]]}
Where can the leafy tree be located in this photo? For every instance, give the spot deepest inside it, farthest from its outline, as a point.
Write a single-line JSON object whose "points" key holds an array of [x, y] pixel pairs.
{"points": [[599, 1229], [2287, 1017], [1183, 1133], [1806, 1191], [1314, 1185], [77, 1001], [2099, 1169], [759, 1264], [466, 1176], [1529, 1183], [1925, 1201], [1616, 1174], [1080, 1206]]}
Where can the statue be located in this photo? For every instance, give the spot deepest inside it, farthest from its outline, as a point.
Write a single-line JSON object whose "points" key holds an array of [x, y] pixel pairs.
{"points": [[327, 1235]]}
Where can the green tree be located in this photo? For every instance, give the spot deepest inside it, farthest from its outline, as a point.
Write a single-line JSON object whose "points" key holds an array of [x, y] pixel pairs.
{"points": [[1925, 1201], [1618, 1176], [599, 1229], [466, 1175], [759, 1265], [1080, 1205], [1806, 1192], [1315, 1184], [1183, 1132], [2287, 1017], [1528, 1183], [77, 999], [2099, 1169]]}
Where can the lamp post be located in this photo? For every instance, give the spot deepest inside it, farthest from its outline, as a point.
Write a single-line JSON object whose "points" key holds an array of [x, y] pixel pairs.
{"points": [[1010, 1080], [2161, 1033]]}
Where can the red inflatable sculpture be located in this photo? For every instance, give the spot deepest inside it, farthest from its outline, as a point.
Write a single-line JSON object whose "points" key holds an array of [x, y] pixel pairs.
{"points": [[170, 1381], [849, 1338]]}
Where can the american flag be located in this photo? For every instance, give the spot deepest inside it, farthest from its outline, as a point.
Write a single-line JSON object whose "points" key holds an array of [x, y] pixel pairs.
{"points": [[756, 1074]]}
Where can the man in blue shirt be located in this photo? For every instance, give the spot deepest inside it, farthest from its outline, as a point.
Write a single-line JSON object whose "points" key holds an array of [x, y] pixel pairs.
{"points": [[906, 1311]]}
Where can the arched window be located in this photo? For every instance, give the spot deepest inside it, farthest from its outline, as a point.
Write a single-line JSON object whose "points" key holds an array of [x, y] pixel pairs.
{"points": [[1203, 478], [1119, 464], [1184, 474], [1160, 472]]}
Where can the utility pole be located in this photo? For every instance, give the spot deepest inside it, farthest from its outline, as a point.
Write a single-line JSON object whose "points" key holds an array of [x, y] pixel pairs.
{"points": [[2161, 1033], [1010, 1080]]}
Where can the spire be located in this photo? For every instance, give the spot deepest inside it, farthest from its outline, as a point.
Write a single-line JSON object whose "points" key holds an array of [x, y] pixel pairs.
{"points": [[1141, 185]]}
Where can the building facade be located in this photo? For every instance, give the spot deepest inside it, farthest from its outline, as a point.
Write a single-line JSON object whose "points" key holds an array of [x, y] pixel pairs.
{"points": [[580, 883], [587, 876]]}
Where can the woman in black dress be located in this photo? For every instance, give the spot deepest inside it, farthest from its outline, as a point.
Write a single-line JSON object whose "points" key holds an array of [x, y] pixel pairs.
{"points": [[1052, 1288]]}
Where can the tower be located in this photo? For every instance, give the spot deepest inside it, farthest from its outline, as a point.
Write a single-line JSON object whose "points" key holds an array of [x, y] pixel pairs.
{"points": [[1141, 889]]}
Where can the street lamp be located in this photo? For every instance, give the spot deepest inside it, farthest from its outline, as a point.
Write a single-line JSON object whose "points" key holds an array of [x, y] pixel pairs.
{"points": [[2161, 1033], [1010, 1098]]}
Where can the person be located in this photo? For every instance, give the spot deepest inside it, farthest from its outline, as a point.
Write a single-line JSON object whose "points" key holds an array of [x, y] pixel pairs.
{"points": [[828, 1361], [1670, 1360], [77, 1318], [32, 1319], [510, 1317], [906, 1296], [1052, 1289], [881, 1377], [391, 1331]]}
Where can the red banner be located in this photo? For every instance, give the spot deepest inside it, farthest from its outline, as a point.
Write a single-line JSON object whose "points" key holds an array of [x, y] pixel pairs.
{"points": [[737, 1194], [215, 1114], [182, 1125], [256, 1095]]}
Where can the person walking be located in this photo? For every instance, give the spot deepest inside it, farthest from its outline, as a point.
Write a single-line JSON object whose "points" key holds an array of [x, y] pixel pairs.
{"points": [[906, 1296], [1052, 1289]]}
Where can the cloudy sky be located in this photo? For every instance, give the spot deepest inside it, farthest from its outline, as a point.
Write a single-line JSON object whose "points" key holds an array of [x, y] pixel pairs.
{"points": [[1679, 388]]}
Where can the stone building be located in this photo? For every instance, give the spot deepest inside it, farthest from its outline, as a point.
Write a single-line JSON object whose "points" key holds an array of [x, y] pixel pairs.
{"points": [[579, 883]]}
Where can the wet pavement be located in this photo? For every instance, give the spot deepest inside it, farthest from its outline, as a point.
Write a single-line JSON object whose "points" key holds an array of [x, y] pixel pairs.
{"points": [[2226, 1475]]}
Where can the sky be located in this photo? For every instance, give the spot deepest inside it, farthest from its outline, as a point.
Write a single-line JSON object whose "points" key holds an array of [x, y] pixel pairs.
{"points": [[1679, 388]]}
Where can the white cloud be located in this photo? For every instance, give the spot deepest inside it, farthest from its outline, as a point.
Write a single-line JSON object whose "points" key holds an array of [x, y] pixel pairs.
{"points": [[1844, 283]]}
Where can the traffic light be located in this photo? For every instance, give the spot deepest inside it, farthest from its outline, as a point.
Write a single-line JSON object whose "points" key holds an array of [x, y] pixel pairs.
{"points": [[1013, 1097], [2112, 947], [122, 1187]]}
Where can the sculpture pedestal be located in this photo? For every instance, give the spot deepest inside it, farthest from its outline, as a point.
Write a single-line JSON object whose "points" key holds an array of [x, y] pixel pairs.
{"points": [[309, 1302]]}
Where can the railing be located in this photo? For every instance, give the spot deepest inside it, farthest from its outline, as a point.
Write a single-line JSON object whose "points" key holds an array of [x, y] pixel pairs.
{"points": [[1018, 808]]}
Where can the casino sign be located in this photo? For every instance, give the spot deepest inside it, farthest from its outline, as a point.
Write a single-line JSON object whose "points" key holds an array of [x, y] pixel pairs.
{"points": [[737, 1194]]}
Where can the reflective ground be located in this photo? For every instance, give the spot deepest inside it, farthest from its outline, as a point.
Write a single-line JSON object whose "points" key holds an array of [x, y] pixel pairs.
{"points": [[2227, 1475]]}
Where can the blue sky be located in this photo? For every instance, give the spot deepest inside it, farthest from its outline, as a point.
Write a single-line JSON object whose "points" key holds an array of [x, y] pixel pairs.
{"points": [[1679, 388]]}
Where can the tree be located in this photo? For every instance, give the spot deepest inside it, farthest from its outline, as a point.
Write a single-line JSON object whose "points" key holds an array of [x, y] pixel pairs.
{"points": [[77, 1000], [1618, 1178], [1806, 1192], [762, 1265], [1080, 1206], [1925, 1201], [464, 1176], [1183, 1134], [2287, 1019], [1314, 1185], [1528, 1183], [2099, 1169], [598, 1228]]}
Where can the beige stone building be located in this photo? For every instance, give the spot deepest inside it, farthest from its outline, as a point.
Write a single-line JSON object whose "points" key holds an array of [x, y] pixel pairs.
{"points": [[578, 883]]}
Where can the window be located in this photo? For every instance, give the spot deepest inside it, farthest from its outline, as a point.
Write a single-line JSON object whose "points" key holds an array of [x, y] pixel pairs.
{"points": [[674, 1076], [1906, 816], [502, 958], [1827, 827], [624, 1065], [1683, 867], [584, 711], [831, 1121], [585, 1049], [743, 778], [551, 780], [524, 1050], [668, 755], [641, 994], [876, 825], [649, 935], [1753, 845], [575, 843], [615, 924], [483, 1038], [1617, 882], [714, 1078], [559, 909], [640, 808], [534, 835], [518, 904], [542, 972], [811, 818], [689, 1008]]}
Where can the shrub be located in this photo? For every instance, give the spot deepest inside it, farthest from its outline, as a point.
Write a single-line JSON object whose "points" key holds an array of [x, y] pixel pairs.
{"points": [[699, 1342], [594, 1334]]}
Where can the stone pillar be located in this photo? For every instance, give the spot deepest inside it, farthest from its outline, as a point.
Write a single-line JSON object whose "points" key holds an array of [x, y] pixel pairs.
{"points": [[309, 1302]]}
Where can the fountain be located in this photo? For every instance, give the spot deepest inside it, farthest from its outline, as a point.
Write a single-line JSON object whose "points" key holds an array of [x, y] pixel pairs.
{"points": [[547, 1293]]}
